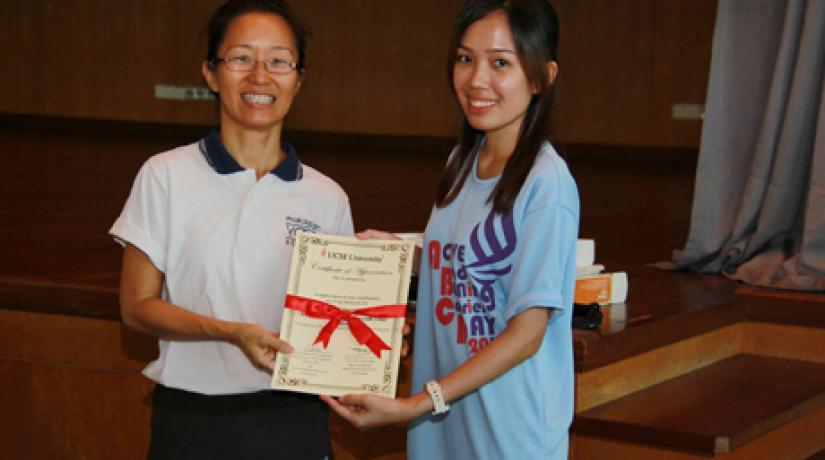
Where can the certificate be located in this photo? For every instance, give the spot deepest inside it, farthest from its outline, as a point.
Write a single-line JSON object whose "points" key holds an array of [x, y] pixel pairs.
{"points": [[344, 315]]}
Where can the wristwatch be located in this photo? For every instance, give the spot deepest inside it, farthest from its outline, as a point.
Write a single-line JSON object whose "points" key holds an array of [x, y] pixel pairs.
{"points": [[434, 390]]}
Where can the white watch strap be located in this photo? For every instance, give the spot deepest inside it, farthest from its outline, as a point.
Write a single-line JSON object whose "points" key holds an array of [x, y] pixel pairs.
{"points": [[439, 405]]}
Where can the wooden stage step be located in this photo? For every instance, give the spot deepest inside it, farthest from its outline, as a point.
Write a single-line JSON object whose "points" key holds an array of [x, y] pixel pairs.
{"points": [[713, 410], [739, 376]]}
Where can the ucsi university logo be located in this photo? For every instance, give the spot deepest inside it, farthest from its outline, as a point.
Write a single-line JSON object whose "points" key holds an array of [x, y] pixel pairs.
{"points": [[467, 289]]}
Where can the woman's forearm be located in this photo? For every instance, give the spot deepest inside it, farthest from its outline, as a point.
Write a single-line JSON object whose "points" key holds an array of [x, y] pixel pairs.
{"points": [[141, 307], [520, 340], [170, 322]]}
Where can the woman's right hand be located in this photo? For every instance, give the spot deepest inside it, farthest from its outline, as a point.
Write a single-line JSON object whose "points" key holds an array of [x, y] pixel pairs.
{"points": [[259, 345], [371, 234], [367, 411]]}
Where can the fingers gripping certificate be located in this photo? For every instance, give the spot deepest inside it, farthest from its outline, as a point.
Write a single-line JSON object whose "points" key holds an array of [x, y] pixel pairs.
{"points": [[344, 315]]}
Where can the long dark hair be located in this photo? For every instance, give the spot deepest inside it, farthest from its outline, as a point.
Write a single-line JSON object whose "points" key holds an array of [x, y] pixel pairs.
{"points": [[535, 30], [223, 16]]}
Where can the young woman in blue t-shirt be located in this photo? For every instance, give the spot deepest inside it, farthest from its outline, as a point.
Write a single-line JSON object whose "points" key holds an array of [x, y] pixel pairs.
{"points": [[493, 347]]}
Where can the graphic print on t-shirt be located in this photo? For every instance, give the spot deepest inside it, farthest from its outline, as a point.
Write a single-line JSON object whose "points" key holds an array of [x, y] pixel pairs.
{"points": [[293, 224], [467, 275]]}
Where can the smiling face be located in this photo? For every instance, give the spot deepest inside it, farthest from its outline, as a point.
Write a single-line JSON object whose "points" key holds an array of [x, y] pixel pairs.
{"points": [[488, 79], [255, 99]]}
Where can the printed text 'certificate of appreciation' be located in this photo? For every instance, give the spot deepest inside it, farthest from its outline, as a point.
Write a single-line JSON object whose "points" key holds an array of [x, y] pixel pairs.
{"points": [[344, 315]]}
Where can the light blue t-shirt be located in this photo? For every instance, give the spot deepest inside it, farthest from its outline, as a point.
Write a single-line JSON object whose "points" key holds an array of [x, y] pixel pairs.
{"points": [[479, 270]]}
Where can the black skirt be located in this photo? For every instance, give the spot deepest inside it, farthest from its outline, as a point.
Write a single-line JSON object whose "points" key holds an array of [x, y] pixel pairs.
{"points": [[261, 425]]}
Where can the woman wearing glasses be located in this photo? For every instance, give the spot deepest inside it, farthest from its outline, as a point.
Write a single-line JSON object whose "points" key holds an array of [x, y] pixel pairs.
{"points": [[208, 231]]}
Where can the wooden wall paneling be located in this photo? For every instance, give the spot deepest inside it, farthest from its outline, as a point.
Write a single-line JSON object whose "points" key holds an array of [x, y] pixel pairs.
{"points": [[70, 234], [146, 31], [14, 400], [22, 64], [105, 56], [683, 40], [375, 67], [72, 387], [305, 107], [88, 414], [380, 70], [74, 82], [605, 71], [74, 341], [190, 50]]}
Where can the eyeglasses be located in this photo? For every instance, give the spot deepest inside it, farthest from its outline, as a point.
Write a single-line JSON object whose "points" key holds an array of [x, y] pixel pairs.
{"points": [[244, 63]]}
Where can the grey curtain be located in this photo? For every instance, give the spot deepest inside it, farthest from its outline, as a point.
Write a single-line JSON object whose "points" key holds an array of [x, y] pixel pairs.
{"points": [[759, 200]]}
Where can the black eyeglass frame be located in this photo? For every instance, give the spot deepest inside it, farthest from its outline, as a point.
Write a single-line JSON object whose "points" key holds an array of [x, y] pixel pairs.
{"points": [[254, 64]]}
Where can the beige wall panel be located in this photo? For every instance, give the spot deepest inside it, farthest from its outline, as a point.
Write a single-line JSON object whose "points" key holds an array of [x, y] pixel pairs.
{"points": [[108, 419]]}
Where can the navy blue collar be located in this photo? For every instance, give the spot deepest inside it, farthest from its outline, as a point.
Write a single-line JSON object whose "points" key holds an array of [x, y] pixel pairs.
{"points": [[289, 169]]}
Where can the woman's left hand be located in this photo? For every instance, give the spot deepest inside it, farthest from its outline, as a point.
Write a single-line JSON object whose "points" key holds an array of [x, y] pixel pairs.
{"points": [[367, 411]]}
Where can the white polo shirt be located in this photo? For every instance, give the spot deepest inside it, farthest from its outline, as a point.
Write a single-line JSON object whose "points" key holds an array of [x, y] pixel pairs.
{"points": [[224, 242]]}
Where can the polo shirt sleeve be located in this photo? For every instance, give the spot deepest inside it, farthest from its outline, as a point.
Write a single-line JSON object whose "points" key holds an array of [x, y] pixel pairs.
{"points": [[546, 248], [344, 219], [144, 220]]}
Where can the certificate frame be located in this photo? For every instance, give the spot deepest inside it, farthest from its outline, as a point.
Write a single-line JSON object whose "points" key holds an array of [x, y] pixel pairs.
{"points": [[316, 277]]}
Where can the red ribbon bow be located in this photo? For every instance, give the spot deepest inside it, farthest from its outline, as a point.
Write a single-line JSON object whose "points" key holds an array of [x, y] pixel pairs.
{"points": [[362, 333]]}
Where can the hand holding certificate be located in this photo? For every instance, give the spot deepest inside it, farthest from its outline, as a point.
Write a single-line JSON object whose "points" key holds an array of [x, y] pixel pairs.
{"points": [[344, 315]]}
